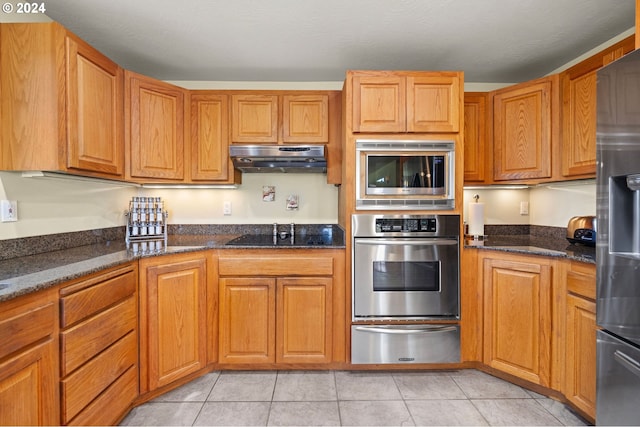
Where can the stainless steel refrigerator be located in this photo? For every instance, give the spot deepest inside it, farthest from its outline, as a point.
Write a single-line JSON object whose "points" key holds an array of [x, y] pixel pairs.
{"points": [[618, 242]]}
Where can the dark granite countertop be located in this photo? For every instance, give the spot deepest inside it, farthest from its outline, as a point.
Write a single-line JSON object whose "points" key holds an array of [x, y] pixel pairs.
{"points": [[24, 274], [535, 245]]}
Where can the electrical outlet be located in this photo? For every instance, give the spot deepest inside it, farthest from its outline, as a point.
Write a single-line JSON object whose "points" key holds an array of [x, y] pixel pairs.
{"points": [[524, 208], [226, 207], [9, 210]]}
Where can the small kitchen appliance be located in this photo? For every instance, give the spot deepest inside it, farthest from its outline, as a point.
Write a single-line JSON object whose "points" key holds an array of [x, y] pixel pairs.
{"points": [[405, 174], [582, 229]]}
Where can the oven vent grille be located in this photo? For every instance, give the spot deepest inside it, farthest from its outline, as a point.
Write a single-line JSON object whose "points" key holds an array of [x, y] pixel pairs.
{"points": [[413, 204]]}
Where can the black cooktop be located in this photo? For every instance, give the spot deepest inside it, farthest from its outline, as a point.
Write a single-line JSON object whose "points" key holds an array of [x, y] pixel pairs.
{"points": [[270, 241]]}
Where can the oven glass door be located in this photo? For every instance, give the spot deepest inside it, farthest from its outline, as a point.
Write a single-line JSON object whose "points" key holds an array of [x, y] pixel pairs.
{"points": [[406, 173], [405, 278]]}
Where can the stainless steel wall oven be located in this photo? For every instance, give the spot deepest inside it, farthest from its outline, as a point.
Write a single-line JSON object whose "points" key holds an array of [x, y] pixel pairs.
{"points": [[405, 268]]}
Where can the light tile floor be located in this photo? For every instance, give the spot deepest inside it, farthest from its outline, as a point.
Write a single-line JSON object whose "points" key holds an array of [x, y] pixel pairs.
{"points": [[351, 398]]}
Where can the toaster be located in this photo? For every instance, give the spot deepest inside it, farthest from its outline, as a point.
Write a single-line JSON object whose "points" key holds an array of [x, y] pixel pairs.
{"points": [[582, 229]]}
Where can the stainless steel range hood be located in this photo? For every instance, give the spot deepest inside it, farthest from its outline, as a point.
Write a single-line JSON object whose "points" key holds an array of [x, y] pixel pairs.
{"points": [[279, 158]]}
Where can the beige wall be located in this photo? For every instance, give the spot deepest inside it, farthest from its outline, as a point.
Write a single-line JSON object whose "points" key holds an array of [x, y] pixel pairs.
{"points": [[53, 205], [549, 205]]}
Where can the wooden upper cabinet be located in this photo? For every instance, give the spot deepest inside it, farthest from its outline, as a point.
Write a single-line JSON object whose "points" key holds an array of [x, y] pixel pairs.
{"points": [[399, 102], [305, 119], [254, 118], [209, 137], [154, 117], [379, 104], [525, 130], [95, 127], [433, 103], [278, 117], [62, 103], [476, 150], [579, 110]]}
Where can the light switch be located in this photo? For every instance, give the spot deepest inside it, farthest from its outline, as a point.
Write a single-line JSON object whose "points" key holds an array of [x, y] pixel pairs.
{"points": [[524, 208], [9, 210]]}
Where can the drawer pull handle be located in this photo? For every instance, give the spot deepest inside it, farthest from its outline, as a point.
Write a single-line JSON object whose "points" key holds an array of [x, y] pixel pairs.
{"points": [[426, 330]]}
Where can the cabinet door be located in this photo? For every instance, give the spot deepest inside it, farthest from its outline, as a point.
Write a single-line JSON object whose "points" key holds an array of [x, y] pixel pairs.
{"points": [[579, 110], [28, 387], [32, 102], [154, 112], [517, 315], [580, 387], [254, 119], [579, 127], [523, 131], [95, 111], [247, 320], [175, 318], [305, 119], [475, 137], [209, 137], [29, 393], [379, 104], [304, 327], [433, 103]]}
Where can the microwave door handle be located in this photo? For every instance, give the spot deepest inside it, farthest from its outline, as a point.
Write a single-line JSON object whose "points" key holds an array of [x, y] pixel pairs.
{"points": [[628, 362], [430, 242], [427, 330]]}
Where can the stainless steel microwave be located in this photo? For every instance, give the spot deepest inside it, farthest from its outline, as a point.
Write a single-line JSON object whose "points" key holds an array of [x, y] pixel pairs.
{"points": [[405, 174]]}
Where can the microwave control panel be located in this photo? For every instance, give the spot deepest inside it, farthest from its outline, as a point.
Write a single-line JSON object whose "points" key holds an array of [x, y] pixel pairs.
{"points": [[405, 225]]}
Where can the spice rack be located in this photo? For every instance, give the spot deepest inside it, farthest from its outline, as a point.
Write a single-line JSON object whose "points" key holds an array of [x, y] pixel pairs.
{"points": [[146, 225]]}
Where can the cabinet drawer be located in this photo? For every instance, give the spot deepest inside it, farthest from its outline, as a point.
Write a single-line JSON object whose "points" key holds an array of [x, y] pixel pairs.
{"points": [[83, 341], [276, 266], [581, 280], [81, 387], [24, 327], [95, 294], [117, 397]]}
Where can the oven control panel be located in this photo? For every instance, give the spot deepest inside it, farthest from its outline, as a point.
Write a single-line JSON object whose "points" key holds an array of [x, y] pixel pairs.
{"points": [[405, 225]]}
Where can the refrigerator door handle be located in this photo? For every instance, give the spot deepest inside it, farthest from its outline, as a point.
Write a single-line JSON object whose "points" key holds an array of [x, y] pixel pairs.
{"points": [[628, 362]]}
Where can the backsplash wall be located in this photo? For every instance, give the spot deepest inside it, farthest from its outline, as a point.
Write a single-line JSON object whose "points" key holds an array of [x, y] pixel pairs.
{"points": [[550, 205], [50, 205]]}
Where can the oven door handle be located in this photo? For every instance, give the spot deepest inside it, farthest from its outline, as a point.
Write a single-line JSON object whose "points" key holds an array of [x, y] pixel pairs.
{"points": [[425, 330], [404, 242]]}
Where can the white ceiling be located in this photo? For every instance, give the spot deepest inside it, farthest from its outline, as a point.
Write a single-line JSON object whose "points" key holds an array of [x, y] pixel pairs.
{"points": [[504, 41]]}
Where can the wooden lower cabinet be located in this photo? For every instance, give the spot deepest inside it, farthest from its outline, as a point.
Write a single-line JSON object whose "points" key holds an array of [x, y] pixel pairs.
{"points": [[99, 346], [539, 321], [580, 345], [174, 322], [247, 320], [29, 360], [303, 320], [275, 320], [517, 316], [280, 308]]}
